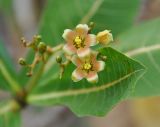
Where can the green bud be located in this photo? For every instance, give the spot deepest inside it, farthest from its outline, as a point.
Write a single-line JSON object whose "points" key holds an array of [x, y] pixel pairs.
{"points": [[42, 47], [23, 41], [91, 24], [104, 58], [29, 74], [59, 59], [22, 61], [39, 38]]}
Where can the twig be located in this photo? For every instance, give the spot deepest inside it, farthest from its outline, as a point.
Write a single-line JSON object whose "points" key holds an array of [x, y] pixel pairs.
{"points": [[34, 80]]}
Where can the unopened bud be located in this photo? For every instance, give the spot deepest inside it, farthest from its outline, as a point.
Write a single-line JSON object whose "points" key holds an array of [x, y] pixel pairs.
{"points": [[91, 24], [22, 61], [42, 47], [39, 38], [23, 42], [29, 74], [104, 37], [59, 59], [104, 58]]}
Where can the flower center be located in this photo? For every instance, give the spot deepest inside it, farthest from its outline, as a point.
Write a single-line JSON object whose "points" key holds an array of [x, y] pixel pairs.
{"points": [[79, 42], [87, 66]]}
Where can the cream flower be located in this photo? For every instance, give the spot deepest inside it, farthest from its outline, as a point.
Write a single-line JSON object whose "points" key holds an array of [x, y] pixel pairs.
{"points": [[104, 37], [87, 67], [78, 40]]}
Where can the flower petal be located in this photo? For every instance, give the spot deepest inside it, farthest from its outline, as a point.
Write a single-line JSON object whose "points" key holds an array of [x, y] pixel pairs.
{"points": [[83, 52], [92, 77], [91, 38], [68, 34], [100, 65], [82, 29], [76, 60], [69, 49], [93, 56], [77, 75]]}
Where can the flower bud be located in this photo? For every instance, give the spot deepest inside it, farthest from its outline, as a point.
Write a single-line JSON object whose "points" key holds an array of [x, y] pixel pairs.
{"points": [[23, 41], [42, 47], [91, 24], [22, 61], [39, 38], [29, 74], [104, 37], [59, 59]]}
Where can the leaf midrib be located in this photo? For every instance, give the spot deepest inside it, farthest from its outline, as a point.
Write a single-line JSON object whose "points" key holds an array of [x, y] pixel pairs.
{"points": [[60, 94], [142, 50]]}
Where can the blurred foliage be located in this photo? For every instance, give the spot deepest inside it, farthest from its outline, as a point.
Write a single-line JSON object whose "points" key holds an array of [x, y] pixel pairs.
{"points": [[6, 60], [143, 44], [107, 14], [5, 6], [10, 119]]}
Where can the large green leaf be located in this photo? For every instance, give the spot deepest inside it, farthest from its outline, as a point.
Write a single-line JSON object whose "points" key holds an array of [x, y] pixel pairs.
{"points": [[143, 44], [107, 14], [116, 83]]}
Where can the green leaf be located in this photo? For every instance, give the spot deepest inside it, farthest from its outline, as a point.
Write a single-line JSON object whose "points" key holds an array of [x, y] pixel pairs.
{"points": [[10, 119], [116, 83], [6, 69], [107, 14], [5, 5], [143, 44]]}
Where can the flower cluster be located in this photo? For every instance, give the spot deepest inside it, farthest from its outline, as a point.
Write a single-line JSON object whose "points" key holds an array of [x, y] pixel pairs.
{"points": [[78, 43], [42, 52], [77, 49]]}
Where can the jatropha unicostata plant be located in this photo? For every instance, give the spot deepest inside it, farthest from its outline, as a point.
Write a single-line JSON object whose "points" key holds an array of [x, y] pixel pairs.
{"points": [[77, 50]]}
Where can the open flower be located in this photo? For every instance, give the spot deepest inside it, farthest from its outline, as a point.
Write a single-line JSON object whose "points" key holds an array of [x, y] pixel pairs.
{"points": [[87, 67], [78, 40], [104, 37]]}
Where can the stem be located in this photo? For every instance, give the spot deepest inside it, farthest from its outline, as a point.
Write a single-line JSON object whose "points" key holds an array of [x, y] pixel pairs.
{"points": [[54, 49], [13, 84], [11, 106], [62, 67], [34, 80]]}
